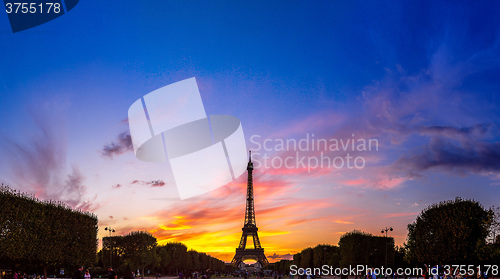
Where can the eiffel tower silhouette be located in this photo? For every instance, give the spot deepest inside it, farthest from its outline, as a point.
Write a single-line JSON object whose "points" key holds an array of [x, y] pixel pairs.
{"points": [[250, 228]]}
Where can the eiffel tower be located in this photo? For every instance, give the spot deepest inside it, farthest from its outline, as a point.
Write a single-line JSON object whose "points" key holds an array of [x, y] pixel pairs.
{"points": [[250, 228]]}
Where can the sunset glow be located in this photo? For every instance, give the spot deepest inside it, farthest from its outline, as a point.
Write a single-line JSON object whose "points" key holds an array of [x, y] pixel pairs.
{"points": [[358, 115]]}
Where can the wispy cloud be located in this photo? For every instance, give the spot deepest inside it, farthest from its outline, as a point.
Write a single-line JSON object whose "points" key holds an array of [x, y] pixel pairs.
{"points": [[38, 163], [459, 150], [397, 110], [152, 183], [340, 221], [425, 120], [212, 222], [122, 144]]}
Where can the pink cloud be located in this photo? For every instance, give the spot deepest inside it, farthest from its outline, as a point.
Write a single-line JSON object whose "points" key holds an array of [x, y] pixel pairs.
{"points": [[340, 221], [355, 182]]}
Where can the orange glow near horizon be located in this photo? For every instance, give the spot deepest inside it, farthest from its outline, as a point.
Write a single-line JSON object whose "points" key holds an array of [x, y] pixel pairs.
{"points": [[286, 225], [295, 208], [288, 219]]}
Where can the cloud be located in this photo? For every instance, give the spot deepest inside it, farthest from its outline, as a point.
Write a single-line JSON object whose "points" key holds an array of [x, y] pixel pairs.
{"points": [[355, 182], [152, 183], [38, 163], [340, 221], [424, 120], [297, 221], [462, 154], [431, 119], [212, 222], [157, 183], [74, 190], [463, 133], [122, 144]]}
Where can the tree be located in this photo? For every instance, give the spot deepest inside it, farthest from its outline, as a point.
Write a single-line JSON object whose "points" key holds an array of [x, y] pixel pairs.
{"points": [[358, 247], [164, 258], [195, 260], [306, 258], [332, 255], [178, 251], [174, 257], [135, 250], [296, 259], [113, 251], [45, 232], [283, 266], [399, 257], [139, 249], [318, 256], [452, 231]]}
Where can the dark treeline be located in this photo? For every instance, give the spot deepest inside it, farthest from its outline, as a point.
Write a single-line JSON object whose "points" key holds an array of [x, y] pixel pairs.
{"points": [[138, 250], [363, 248], [48, 238], [175, 256], [41, 235], [457, 231], [354, 248]]}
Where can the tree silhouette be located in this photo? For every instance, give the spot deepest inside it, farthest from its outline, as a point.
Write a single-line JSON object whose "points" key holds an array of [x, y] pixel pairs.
{"points": [[452, 231]]}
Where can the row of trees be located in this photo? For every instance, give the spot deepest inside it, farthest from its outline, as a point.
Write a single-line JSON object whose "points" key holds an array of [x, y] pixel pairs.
{"points": [[38, 234], [457, 231], [354, 248], [318, 256], [175, 256], [50, 234], [139, 250], [43, 233], [363, 248]]}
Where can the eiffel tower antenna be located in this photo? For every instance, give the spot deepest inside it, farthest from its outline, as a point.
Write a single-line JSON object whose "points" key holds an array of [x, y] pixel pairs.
{"points": [[250, 228]]}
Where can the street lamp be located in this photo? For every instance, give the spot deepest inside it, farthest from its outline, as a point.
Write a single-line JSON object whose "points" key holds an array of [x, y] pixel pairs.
{"points": [[386, 230], [110, 246]]}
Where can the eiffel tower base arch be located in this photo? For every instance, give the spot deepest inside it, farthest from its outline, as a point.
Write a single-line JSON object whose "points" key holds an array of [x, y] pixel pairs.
{"points": [[250, 254]]}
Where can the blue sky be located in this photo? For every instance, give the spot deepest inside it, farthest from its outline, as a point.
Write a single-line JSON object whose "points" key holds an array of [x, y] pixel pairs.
{"points": [[421, 77]]}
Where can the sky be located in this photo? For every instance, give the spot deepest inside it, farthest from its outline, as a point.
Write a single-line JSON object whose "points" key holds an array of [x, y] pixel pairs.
{"points": [[417, 79]]}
